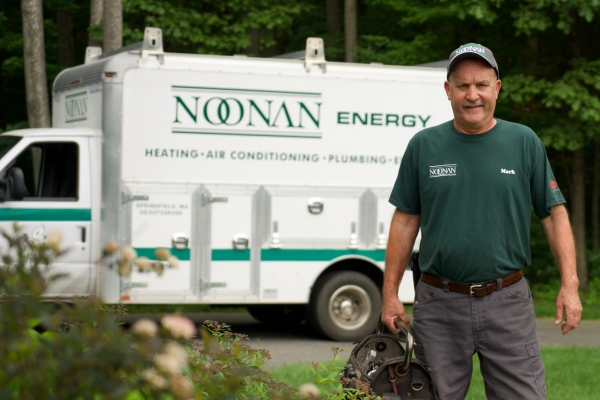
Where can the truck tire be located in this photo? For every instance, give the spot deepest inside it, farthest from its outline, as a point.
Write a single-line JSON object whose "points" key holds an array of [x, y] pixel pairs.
{"points": [[345, 305]]}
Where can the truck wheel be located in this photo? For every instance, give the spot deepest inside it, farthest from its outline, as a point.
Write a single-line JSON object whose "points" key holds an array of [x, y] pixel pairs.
{"points": [[345, 305]]}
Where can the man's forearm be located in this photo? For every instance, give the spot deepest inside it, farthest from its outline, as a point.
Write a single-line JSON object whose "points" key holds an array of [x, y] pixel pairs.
{"points": [[560, 239], [403, 232]]}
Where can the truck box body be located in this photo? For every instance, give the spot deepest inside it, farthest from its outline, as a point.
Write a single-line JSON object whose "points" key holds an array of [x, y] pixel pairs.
{"points": [[260, 176]]}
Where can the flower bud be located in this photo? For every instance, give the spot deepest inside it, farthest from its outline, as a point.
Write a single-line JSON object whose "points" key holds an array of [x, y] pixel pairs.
{"points": [[309, 391], [144, 327], [173, 262], [54, 239], [125, 268], [128, 254], [162, 254], [143, 264], [109, 249], [179, 327]]}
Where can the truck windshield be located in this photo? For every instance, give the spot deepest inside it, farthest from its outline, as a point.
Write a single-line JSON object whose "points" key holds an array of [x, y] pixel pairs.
{"points": [[7, 143]]}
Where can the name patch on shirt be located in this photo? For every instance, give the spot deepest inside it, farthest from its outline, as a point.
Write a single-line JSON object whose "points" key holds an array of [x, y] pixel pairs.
{"points": [[437, 171]]}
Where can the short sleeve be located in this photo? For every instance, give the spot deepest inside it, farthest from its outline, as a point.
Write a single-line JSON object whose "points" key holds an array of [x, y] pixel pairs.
{"points": [[405, 194], [545, 191]]}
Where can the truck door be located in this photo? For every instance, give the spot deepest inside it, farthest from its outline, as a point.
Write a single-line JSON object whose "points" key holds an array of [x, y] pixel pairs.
{"points": [[230, 248], [58, 198], [159, 216]]}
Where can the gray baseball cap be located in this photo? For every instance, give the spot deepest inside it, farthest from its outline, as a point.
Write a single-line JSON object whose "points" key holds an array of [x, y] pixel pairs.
{"points": [[472, 50]]}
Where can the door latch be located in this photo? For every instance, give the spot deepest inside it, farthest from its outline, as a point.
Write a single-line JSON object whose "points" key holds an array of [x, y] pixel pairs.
{"points": [[240, 241], [126, 197], [207, 199]]}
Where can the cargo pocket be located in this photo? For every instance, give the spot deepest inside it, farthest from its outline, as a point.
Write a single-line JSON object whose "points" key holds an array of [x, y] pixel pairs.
{"points": [[533, 349]]}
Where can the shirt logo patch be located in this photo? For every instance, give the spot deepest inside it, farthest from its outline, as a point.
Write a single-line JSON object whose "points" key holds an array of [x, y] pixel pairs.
{"points": [[507, 171], [554, 185], [437, 171]]}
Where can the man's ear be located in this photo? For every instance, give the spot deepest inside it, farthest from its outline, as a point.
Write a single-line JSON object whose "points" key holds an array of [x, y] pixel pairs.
{"points": [[498, 86], [447, 89]]}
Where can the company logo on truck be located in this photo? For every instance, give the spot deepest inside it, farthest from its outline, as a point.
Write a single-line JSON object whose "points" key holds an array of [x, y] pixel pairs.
{"points": [[246, 112], [76, 107]]}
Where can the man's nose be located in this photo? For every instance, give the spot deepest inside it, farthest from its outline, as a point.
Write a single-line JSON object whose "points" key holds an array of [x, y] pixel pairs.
{"points": [[472, 93]]}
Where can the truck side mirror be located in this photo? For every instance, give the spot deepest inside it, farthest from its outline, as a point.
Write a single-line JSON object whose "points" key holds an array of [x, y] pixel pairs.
{"points": [[16, 184]]}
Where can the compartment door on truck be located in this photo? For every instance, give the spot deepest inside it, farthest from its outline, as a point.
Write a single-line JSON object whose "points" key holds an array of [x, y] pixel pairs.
{"points": [[227, 230], [57, 177], [158, 216], [312, 227]]}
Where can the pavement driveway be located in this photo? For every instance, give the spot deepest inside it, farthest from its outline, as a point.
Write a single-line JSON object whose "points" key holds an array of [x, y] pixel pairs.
{"points": [[289, 345]]}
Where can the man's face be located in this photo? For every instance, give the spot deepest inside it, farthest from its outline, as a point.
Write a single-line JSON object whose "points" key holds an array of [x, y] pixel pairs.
{"points": [[472, 91]]}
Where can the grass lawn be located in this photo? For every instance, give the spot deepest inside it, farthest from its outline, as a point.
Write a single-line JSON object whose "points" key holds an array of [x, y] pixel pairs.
{"points": [[571, 374]]}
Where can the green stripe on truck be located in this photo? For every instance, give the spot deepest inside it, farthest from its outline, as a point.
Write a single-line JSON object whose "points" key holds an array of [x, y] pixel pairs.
{"points": [[317, 254], [45, 214], [272, 254]]}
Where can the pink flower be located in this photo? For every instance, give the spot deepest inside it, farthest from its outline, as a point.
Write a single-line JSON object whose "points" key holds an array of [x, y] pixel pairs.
{"points": [[179, 327]]}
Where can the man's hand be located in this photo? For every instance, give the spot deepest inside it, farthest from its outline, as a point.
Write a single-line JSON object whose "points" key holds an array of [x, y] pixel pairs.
{"points": [[568, 303], [403, 232], [392, 310], [560, 238]]}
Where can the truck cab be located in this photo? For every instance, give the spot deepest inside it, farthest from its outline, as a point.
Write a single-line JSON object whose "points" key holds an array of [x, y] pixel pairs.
{"points": [[48, 185]]}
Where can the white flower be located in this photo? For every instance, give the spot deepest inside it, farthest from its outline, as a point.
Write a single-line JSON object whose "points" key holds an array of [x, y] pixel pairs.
{"points": [[178, 326], [173, 262], [54, 239], [154, 378], [181, 386], [143, 264], [162, 254], [128, 254], [309, 391], [125, 268], [145, 327], [167, 364], [175, 350]]}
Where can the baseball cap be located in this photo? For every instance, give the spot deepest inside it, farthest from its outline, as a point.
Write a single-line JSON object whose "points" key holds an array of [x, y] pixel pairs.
{"points": [[472, 50]]}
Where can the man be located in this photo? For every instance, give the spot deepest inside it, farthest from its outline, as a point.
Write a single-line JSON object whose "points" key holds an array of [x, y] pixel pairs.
{"points": [[469, 185]]}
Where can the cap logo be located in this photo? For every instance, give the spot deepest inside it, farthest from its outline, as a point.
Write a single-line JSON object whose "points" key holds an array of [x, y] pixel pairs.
{"points": [[470, 49]]}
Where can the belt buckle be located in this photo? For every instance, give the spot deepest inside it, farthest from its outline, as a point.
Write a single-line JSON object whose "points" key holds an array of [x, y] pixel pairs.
{"points": [[473, 287]]}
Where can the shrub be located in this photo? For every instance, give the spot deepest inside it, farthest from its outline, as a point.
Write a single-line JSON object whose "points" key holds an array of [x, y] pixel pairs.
{"points": [[83, 352]]}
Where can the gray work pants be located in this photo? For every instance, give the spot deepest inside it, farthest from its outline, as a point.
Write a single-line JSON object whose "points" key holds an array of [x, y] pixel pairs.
{"points": [[500, 327]]}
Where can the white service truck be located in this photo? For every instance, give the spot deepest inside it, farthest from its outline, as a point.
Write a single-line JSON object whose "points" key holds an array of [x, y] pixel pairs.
{"points": [[268, 178]]}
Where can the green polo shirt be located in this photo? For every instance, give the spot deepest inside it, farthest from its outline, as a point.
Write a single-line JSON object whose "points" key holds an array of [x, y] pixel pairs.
{"points": [[474, 194]]}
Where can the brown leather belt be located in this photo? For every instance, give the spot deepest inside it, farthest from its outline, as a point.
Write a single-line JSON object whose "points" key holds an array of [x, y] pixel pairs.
{"points": [[475, 290]]}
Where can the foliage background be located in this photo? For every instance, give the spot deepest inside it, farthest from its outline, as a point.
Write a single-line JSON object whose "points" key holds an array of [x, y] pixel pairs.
{"points": [[548, 60]]}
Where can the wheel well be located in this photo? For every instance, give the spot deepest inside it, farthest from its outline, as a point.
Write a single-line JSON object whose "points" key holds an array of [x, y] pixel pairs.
{"points": [[365, 267]]}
